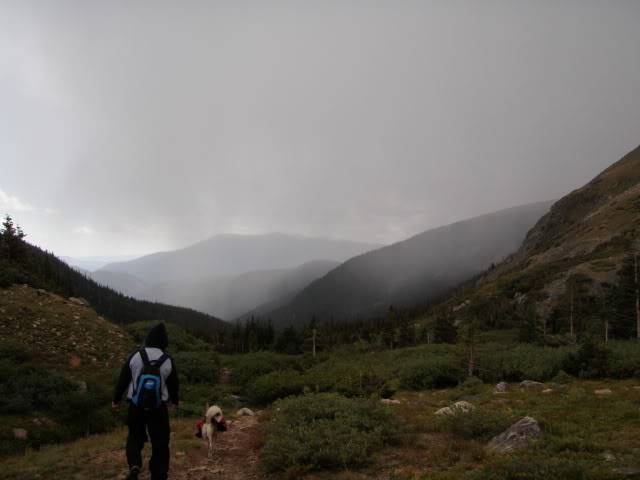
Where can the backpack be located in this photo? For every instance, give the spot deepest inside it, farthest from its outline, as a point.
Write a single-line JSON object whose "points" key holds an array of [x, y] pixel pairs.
{"points": [[147, 391]]}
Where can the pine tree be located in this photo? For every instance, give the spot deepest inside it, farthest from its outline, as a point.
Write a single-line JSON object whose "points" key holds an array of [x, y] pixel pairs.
{"points": [[444, 329]]}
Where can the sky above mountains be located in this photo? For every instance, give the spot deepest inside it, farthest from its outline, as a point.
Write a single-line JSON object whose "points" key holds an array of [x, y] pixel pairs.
{"points": [[127, 128]]}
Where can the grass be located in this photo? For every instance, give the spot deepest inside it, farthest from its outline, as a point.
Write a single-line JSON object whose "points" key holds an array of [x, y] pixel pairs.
{"points": [[98, 457]]}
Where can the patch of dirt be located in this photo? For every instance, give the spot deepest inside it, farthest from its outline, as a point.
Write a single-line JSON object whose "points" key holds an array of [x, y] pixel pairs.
{"points": [[235, 453]]}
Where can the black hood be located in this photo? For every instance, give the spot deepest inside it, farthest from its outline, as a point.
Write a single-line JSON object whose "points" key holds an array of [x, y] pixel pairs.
{"points": [[157, 337]]}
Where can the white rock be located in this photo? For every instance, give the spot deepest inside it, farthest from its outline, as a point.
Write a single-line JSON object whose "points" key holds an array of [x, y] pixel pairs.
{"points": [[245, 412], [388, 401]]}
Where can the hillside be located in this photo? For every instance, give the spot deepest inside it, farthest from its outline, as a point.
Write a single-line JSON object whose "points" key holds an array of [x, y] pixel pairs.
{"points": [[61, 333], [228, 255], [231, 296], [413, 271], [576, 264], [41, 269]]}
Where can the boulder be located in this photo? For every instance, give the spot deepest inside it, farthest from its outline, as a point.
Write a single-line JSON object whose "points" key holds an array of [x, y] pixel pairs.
{"points": [[445, 411], [531, 384], [20, 434], [388, 401], [245, 412], [456, 408], [79, 301], [603, 391], [501, 387], [517, 437]]}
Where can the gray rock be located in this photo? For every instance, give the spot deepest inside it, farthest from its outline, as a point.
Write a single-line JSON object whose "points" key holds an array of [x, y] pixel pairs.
{"points": [[517, 437], [531, 384], [628, 472], [79, 301], [245, 412], [388, 401], [456, 408], [501, 387]]}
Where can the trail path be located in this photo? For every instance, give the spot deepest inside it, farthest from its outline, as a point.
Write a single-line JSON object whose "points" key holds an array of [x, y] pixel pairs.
{"points": [[235, 455]]}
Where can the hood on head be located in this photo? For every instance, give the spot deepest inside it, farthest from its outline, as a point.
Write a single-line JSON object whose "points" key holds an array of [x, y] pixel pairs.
{"points": [[157, 337]]}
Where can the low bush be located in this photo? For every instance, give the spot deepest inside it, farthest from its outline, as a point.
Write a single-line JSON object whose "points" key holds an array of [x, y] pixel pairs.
{"points": [[543, 468], [275, 385], [350, 378], [521, 362], [325, 431], [591, 360], [26, 388], [250, 366], [431, 373], [479, 424], [14, 352], [624, 361], [198, 367], [471, 386], [180, 340]]}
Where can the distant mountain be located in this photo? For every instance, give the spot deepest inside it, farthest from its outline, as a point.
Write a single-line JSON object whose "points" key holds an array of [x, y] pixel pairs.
{"points": [[120, 281], [231, 255], [577, 264], [231, 296], [94, 263], [413, 271]]}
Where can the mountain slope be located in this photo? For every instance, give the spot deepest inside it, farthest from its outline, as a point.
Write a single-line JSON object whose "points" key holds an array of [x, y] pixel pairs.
{"points": [[230, 297], [226, 255], [413, 271], [42, 269], [575, 255], [120, 281]]}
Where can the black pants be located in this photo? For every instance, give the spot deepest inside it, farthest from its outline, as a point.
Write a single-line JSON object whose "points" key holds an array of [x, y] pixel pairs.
{"points": [[156, 422]]}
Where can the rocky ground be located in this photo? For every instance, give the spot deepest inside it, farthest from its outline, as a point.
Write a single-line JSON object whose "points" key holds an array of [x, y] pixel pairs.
{"points": [[63, 333]]}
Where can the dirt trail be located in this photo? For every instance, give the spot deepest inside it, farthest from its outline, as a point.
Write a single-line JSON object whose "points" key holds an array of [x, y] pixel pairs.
{"points": [[235, 455]]}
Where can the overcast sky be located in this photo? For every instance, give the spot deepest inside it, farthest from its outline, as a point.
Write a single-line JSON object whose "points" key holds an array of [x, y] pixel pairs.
{"points": [[130, 127]]}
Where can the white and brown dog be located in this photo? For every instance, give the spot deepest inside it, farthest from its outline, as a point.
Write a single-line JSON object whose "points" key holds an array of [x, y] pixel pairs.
{"points": [[213, 422]]}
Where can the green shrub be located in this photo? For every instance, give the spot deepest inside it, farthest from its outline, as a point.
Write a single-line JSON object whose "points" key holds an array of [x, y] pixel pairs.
{"points": [[546, 468], [325, 431], [253, 365], [431, 373], [471, 386], [84, 412], [563, 378], [521, 362], [275, 385], [26, 388], [590, 361], [198, 367], [624, 361], [180, 340], [479, 424], [351, 378], [14, 352]]}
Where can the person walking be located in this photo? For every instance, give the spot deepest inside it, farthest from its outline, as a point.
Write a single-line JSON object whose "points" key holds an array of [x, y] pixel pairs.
{"points": [[150, 380]]}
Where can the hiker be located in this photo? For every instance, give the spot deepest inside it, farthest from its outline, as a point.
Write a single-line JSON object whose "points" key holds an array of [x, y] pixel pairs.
{"points": [[150, 379]]}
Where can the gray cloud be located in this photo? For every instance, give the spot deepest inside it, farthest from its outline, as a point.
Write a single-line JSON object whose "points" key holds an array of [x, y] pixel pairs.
{"points": [[157, 124]]}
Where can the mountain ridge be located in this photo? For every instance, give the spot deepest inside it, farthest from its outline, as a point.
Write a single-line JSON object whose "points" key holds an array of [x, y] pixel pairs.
{"points": [[413, 270]]}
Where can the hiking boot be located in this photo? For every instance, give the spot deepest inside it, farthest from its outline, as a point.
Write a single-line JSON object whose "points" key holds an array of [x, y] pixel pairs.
{"points": [[133, 473]]}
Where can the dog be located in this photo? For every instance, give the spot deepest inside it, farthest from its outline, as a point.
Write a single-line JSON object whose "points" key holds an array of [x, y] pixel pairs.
{"points": [[213, 422]]}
